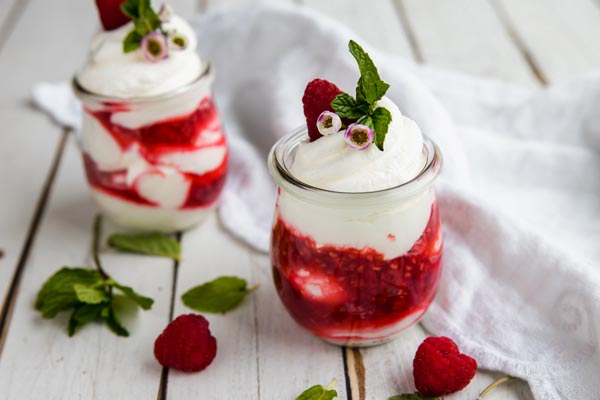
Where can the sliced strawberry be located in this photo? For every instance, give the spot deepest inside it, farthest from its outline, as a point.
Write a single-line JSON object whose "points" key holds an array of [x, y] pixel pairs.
{"points": [[317, 287], [317, 98], [110, 14]]}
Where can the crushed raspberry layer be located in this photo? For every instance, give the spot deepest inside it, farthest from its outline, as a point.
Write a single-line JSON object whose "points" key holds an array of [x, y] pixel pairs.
{"points": [[333, 289], [181, 134]]}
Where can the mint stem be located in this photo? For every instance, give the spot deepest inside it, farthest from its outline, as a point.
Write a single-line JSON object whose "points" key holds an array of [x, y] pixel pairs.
{"points": [[332, 384], [253, 288], [493, 385], [97, 233]]}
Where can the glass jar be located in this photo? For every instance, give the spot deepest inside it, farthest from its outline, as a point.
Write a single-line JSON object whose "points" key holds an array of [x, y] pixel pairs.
{"points": [[355, 269], [155, 163]]}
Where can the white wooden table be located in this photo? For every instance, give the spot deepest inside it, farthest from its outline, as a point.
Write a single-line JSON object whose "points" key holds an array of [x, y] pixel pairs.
{"points": [[46, 212]]}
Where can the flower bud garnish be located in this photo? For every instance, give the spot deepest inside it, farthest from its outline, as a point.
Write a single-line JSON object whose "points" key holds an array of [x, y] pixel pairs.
{"points": [[328, 123], [359, 136], [148, 32], [179, 41], [164, 13], [155, 46]]}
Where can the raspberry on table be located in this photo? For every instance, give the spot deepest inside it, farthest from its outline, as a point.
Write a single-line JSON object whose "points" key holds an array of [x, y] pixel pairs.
{"points": [[440, 369], [318, 95], [186, 344]]}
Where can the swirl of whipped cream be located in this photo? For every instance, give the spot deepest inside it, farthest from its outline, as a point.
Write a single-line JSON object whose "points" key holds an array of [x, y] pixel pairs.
{"points": [[329, 163], [111, 72]]}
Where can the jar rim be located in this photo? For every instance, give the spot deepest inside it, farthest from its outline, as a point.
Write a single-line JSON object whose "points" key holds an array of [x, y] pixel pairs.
{"points": [[286, 180], [206, 73]]}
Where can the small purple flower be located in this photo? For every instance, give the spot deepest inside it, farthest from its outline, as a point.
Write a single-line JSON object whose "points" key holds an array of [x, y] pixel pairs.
{"points": [[155, 46], [328, 123], [359, 136], [165, 12]]}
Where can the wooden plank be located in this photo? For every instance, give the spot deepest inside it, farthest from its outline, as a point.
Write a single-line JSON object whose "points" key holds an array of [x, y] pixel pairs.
{"points": [[39, 361], [375, 21], [561, 37], [256, 342], [10, 13], [209, 252], [29, 139], [466, 36]]}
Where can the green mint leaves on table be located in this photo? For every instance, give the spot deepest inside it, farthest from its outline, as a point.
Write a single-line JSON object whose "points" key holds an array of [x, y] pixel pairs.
{"points": [[150, 244], [412, 396], [145, 21], [369, 90], [217, 296], [88, 293], [318, 392]]}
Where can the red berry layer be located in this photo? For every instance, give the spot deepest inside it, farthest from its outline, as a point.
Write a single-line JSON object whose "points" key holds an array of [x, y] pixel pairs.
{"points": [[176, 134], [333, 289]]}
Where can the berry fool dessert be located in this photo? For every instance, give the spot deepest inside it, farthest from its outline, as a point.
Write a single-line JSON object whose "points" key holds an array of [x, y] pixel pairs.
{"points": [[356, 242], [154, 152]]}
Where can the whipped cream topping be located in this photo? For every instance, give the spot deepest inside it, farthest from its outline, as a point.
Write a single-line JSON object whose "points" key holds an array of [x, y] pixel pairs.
{"points": [[111, 72], [329, 163]]}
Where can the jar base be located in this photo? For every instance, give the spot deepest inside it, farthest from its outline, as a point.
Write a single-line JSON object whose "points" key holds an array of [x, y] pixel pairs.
{"points": [[383, 336], [143, 218]]}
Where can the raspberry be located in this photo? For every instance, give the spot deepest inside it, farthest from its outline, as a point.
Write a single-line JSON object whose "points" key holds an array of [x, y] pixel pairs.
{"points": [[186, 344], [317, 98], [440, 369], [110, 14]]}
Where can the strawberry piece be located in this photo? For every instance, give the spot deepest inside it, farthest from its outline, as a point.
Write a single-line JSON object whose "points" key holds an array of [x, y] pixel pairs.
{"points": [[317, 98], [111, 15], [186, 344], [440, 369], [317, 287]]}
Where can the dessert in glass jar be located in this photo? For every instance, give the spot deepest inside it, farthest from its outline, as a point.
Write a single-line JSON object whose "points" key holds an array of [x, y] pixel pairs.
{"points": [[356, 242], [154, 152]]}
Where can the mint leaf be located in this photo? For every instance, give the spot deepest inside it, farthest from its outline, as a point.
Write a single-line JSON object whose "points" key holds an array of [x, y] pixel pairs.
{"points": [[90, 294], [150, 244], [370, 87], [132, 42], [317, 392], [218, 296], [381, 118], [142, 301], [412, 396], [58, 293], [346, 107], [145, 20], [111, 320], [82, 315], [130, 8]]}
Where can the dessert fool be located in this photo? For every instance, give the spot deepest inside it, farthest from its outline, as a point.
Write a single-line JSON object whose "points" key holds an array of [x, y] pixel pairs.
{"points": [[348, 272], [154, 151]]}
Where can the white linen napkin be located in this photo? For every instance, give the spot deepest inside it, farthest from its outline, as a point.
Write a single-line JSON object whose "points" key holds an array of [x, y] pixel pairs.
{"points": [[519, 194]]}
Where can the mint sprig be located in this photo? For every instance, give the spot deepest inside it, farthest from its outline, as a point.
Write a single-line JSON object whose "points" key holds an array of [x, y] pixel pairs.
{"points": [[369, 90], [149, 244], [318, 392], [145, 20], [88, 293], [217, 296]]}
